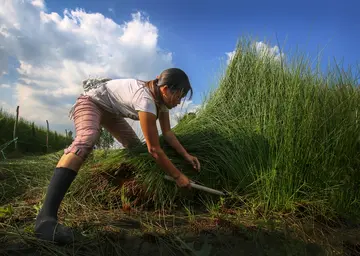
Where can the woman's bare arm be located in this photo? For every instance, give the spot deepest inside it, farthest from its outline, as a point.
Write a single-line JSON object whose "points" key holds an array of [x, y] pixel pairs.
{"points": [[148, 126], [169, 136]]}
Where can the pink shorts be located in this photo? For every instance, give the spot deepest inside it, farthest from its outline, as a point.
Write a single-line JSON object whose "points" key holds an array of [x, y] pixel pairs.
{"points": [[89, 117]]}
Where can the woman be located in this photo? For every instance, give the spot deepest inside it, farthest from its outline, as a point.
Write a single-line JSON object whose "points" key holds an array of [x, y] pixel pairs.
{"points": [[106, 103]]}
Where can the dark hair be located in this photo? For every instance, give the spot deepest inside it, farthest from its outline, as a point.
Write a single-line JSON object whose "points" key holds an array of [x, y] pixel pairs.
{"points": [[176, 79]]}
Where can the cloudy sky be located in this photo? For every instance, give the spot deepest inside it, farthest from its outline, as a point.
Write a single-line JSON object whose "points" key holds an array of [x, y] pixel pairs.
{"points": [[48, 47]]}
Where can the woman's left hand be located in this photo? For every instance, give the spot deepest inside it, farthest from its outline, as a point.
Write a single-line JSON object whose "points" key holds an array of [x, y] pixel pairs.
{"points": [[193, 161]]}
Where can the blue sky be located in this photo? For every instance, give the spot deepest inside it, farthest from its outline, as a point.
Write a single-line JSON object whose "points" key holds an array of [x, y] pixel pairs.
{"points": [[197, 34]]}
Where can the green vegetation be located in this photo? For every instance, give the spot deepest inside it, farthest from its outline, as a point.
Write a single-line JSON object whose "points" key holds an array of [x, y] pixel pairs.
{"points": [[98, 207], [280, 134], [105, 140], [280, 137], [31, 138]]}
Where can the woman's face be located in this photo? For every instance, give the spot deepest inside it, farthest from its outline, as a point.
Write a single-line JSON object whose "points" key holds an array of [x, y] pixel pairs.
{"points": [[171, 98]]}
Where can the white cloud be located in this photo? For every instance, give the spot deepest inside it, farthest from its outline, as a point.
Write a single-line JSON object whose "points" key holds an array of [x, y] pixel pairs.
{"points": [[266, 50], [4, 86], [5, 106], [3, 56], [38, 3], [57, 51], [178, 112], [262, 49], [230, 56]]}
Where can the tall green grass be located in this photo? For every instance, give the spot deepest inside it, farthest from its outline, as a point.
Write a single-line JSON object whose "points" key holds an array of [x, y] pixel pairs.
{"points": [[31, 137], [277, 131]]}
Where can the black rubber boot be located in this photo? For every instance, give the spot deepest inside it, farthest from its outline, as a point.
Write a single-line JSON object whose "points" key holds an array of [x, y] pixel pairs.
{"points": [[50, 230], [47, 226]]}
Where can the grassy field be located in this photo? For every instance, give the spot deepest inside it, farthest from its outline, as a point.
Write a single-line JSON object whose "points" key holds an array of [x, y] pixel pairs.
{"points": [[31, 138], [279, 136]]}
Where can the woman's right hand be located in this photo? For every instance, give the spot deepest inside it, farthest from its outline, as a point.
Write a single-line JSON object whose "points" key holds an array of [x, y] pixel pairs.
{"points": [[150, 132], [183, 182]]}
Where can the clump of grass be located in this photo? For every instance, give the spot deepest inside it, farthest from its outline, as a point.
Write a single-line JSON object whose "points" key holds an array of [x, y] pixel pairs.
{"points": [[278, 131]]}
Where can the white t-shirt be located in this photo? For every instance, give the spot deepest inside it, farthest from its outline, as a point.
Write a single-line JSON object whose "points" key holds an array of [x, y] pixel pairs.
{"points": [[125, 97]]}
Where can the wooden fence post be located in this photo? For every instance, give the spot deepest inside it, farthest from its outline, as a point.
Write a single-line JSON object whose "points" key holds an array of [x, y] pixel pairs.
{"points": [[15, 126], [47, 136]]}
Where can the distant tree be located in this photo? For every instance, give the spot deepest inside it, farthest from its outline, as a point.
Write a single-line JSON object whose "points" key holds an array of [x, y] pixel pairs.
{"points": [[70, 133], [105, 140]]}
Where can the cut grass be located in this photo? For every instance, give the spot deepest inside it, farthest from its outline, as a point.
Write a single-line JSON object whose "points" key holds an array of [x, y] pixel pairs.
{"points": [[189, 229]]}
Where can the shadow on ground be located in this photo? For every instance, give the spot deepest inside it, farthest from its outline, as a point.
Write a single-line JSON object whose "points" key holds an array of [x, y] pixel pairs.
{"points": [[131, 238]]}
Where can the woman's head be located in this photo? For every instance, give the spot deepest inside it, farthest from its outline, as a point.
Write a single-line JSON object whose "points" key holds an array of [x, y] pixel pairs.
{"points": [[174, 85]]}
